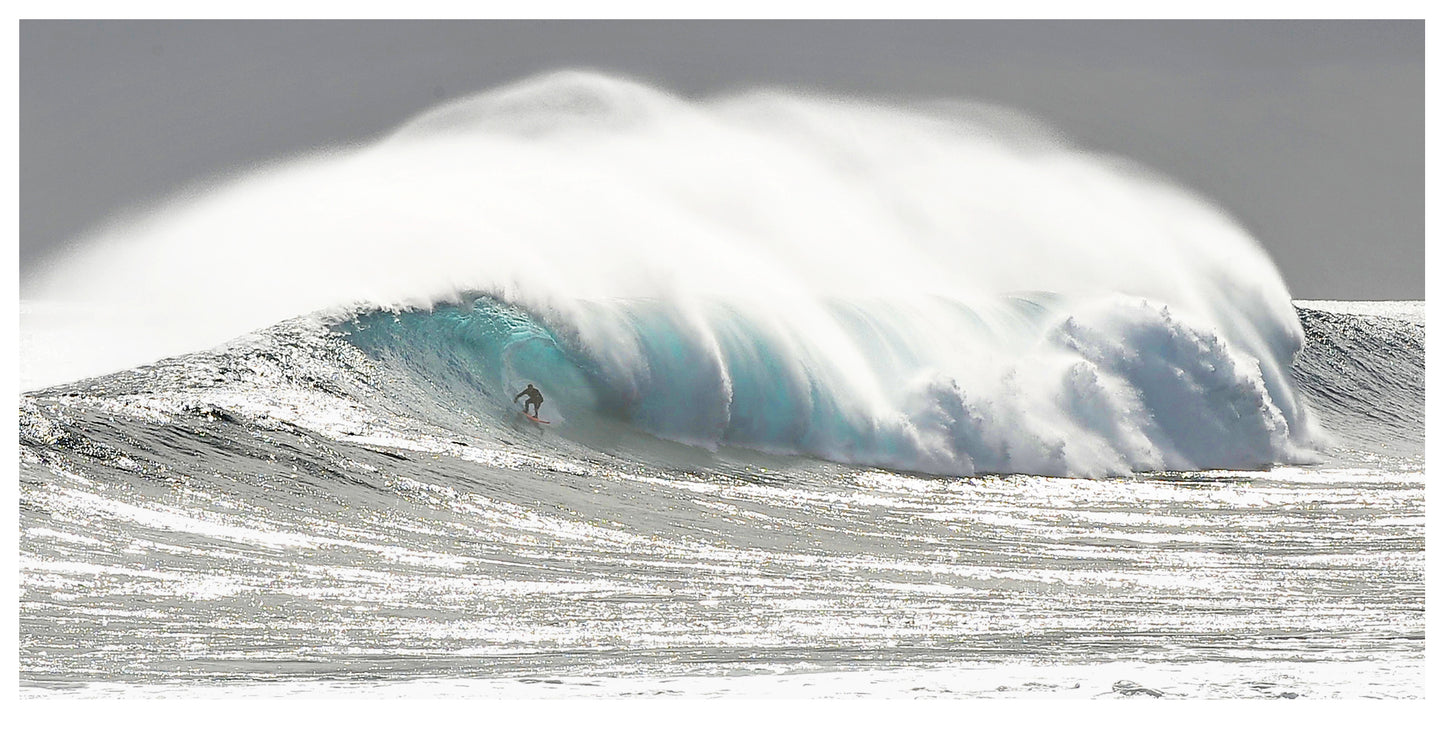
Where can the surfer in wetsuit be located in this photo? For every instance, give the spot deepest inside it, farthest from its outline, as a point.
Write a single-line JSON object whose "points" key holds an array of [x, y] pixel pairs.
{"points": [[534, 399]]}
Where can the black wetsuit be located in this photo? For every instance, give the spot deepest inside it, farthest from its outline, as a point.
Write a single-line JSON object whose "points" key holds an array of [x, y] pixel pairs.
{"points": [[534, 400]]}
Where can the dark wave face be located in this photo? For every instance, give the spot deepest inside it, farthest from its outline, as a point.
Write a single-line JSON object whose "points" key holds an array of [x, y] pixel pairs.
{"points": [[1366, 377]]}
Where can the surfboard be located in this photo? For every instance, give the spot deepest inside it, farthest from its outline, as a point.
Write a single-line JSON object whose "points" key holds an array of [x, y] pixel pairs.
{"points": [[534, 419]]}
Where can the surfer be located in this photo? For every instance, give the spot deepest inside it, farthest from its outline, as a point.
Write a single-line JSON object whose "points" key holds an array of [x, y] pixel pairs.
{"points": [[534, 399]]}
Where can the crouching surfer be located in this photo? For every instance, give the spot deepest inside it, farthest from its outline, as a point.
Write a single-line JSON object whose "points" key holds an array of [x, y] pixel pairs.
{"points": [[534, 400]]}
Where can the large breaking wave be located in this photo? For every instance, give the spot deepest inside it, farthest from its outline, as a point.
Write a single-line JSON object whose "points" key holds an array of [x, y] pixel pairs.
{"points": [[1040, 386], [943, 288]]}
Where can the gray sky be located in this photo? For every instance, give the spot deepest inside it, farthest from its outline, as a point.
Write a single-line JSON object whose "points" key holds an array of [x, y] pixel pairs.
{"points": [[1312, 134]]}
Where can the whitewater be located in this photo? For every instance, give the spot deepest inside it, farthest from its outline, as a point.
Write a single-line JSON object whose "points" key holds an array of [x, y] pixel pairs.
{"points": [[845, 398]]}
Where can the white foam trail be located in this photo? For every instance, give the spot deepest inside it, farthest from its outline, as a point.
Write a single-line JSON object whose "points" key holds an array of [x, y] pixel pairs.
{"points": [[575, 187]]}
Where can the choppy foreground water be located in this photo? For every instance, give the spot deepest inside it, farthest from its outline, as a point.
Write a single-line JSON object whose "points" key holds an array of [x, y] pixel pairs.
{"points": [[234, 525]]}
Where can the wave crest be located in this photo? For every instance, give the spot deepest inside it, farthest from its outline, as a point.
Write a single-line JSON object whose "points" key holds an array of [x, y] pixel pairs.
{"points": [[1042, 385], [826, 276]]}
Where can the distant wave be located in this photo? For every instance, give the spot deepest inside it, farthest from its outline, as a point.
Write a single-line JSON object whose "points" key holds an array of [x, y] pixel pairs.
{"points": [[1363, 368]]}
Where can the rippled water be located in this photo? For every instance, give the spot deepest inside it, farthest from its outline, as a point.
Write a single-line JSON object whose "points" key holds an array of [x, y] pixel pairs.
{"points": [[463, 562], [214, 541]]}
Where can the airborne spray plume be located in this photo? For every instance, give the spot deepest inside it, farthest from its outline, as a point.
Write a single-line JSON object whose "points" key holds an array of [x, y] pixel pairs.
{"points": [[950, 289]]}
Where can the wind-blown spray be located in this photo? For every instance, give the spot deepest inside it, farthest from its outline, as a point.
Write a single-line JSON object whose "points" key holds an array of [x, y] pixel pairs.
{"points": [[925, 288]]}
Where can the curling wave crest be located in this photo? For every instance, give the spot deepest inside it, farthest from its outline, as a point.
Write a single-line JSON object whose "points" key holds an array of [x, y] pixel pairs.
{"points": [[948, 288]]}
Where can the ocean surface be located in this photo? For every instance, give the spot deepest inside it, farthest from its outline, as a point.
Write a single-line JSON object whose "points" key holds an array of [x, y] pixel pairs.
{"points": [[302, 512], [844, 398]]}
